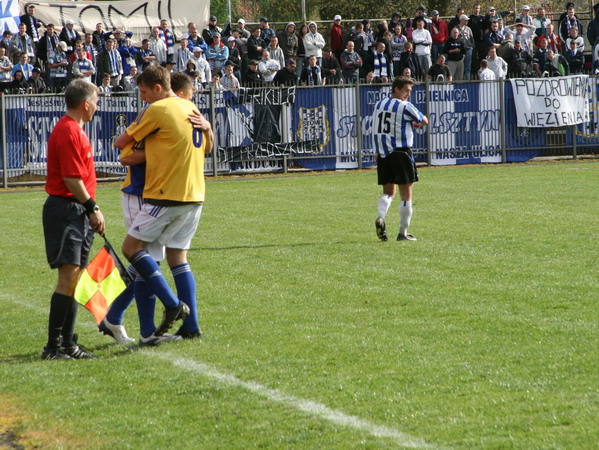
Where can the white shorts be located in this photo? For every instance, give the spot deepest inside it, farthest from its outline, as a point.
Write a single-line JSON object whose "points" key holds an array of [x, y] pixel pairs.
{"points": [[130, 205], [171, 226]]}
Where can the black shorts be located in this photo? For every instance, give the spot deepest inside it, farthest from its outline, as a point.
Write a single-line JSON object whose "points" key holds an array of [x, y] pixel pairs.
{"points": [[397, 167], [67, 233]]}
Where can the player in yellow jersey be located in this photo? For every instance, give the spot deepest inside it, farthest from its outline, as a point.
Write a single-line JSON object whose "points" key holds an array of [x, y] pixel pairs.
{"points": [[173, 195]]}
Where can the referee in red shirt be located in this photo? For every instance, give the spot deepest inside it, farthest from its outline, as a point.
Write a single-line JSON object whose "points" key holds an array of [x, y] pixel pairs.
{"points": [[70, 215]]}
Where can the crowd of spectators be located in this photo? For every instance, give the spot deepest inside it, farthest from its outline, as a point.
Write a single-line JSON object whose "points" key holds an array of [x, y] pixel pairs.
{"points": [[40, 58]]}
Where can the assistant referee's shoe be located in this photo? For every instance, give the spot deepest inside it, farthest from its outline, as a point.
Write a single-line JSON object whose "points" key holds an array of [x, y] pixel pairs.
{"points": [[169, 316], [406, 237], [78, 352], [54, 353], [381, 229]]}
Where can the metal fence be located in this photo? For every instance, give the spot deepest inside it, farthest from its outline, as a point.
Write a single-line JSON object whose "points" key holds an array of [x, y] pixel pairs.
{"points": [[300, 128]]}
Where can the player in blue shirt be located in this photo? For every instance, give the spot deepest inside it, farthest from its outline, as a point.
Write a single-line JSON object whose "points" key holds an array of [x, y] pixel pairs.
{"points": [[393, 122]]}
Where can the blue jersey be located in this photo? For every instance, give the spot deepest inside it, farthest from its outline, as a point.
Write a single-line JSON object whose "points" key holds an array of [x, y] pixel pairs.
{"points": [[392, 125]]}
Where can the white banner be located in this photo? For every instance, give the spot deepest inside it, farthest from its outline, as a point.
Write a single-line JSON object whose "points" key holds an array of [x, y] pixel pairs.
{"points": [[136, 16], [551, 102]]}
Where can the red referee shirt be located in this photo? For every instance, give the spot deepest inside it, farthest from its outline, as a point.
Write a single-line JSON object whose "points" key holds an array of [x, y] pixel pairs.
{"points": [[70, 155]]}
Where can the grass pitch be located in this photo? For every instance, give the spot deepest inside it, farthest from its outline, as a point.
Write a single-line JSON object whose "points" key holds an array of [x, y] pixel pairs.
{"points": [[483, 333]]}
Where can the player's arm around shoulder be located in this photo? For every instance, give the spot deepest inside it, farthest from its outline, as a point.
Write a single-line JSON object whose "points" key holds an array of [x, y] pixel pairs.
{"points": [[198, 120], [209, 141], [133, 159]]}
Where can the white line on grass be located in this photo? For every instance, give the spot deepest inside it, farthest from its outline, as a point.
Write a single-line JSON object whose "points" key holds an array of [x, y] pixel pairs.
{"points": [[311, 407], [308, 406]]}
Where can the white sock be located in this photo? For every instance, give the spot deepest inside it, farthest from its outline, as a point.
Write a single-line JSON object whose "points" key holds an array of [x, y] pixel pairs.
{"points": [[405, 216], [384, 204]]}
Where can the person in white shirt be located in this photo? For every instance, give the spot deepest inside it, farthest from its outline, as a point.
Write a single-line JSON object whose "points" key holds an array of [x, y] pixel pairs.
{"points": [[523, 33], [229, 80], [423, 41], [83, 67], [497, 64], [525, 17], [540, 22], [128, 81], [201, 65], [485, 74], [105, 87], [157, 45], [314, 43], [268, 67], [574, 37], [5, 69]]}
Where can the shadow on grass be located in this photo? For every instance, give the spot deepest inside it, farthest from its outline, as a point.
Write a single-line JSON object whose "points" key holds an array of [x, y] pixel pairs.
{"points": [[302, 244], [36, 355]]}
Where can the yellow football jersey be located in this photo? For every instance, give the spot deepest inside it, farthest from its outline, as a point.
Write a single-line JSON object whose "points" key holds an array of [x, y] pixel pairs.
{"points": [[174, 151]]}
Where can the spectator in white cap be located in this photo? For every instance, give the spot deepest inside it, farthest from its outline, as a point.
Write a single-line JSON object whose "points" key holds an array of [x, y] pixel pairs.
{"points": [[525, 16], [243, 31], [69, 35], [201, 65], [234, 54], [336, 37], [467, 38]]}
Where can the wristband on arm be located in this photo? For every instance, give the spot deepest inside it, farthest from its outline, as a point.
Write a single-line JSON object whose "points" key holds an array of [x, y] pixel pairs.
{"points": [[90, 206]]}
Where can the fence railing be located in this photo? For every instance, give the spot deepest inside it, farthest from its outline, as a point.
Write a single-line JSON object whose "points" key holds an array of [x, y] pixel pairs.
{"points": [[298, 128]]}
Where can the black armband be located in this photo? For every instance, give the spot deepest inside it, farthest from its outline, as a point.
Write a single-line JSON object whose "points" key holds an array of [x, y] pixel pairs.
{"points": [[90, 206]]}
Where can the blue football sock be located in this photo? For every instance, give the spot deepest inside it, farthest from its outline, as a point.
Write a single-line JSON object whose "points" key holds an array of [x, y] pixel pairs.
{"points": [[146, 305], [122, 302], [150, 272], [186, 291]]}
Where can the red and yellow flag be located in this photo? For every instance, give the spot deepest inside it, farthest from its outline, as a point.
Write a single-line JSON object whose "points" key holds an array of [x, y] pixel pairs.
{"points": [[101, 282]]}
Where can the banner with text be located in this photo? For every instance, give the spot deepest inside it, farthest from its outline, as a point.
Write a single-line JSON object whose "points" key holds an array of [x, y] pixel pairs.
{"points": [[551, 102], [135, 16]]}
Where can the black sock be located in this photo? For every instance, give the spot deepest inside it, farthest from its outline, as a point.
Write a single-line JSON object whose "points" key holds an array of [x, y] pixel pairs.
{"points": [[60, 305], [68, 329]]}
